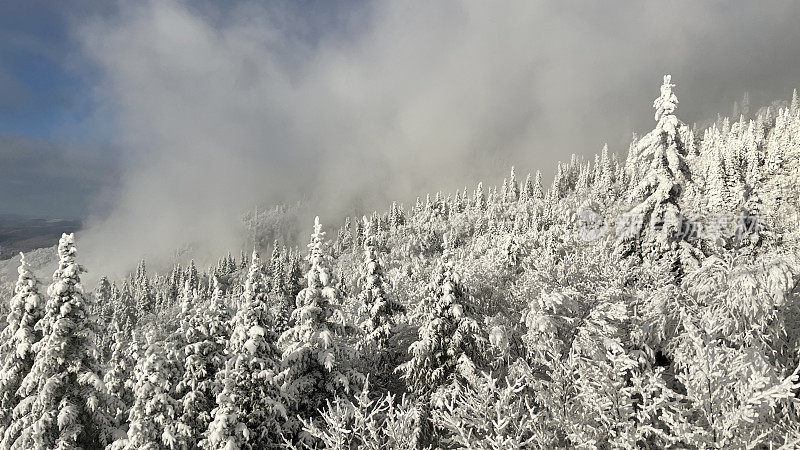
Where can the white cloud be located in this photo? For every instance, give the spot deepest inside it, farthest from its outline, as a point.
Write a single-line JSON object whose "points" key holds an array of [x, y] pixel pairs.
{"points": [[220, 110]]}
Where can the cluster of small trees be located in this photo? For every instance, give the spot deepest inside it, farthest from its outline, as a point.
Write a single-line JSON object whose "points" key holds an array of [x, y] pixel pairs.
{"points": [[645, 303]]}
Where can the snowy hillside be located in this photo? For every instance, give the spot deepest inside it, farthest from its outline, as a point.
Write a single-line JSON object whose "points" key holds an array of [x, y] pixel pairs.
{"points": [[647, 300]]}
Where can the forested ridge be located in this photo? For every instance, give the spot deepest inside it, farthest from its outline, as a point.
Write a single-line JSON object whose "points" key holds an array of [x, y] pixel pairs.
{"points": [[646, 301]]}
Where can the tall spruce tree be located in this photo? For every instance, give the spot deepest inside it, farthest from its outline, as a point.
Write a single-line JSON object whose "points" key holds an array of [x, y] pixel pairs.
{"points": [[118, 377], [376, 305], [314, 361], [249, 411], [204, 336], [154, 416], [450, 339], [65, 401], [655, 224], [18, 339]]}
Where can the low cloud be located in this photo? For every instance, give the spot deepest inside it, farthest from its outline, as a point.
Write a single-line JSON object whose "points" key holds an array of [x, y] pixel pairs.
{"points": [[362, 104]]}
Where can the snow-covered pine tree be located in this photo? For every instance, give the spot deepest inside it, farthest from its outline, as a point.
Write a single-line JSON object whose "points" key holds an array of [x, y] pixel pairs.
{"points": [[242, 260], [489, 414], [141, 272], [479, 200], [584, 181], [537, 193], [145, 298], [512, 193], [450, 339], [739, 399], [124, 306], [155, 412], [314, 360], [658, 224], [491, 198], [752, 154], [64, 404], [458, 205], [103, 297], [118, 376], [294, 273], [230, 264], [604, 177], [204, 336], [192, 277], [559, 187], [526, 193], [360, 229], [717, 193], [175, 283], [347, 237], [376, 305], [17, 340], [733, 169], [249, 412]]}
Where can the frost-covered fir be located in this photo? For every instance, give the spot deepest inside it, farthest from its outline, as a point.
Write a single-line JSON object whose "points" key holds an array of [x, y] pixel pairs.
{"points": [[315, 361], [17, 341], [377, 306], [204, 334], [656, 224], [450, 340], [63, 397], [154, 417], [119, 376], [249, 410]]}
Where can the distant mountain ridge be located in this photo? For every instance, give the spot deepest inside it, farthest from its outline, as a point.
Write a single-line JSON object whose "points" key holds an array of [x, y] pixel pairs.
{"points": [[25, 234]]}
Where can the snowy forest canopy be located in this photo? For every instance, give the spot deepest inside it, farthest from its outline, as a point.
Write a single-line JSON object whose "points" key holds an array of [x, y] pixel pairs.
{"points": [[649, 302]]}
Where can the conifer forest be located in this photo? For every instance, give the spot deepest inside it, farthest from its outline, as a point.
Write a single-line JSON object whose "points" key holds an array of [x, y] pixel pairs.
{"points": [[642, 300]]}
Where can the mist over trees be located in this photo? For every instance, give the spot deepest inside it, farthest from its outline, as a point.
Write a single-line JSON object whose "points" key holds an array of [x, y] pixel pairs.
{"points": [[641, 301]]}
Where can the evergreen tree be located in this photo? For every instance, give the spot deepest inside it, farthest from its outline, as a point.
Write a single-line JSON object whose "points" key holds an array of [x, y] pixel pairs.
{"points": [[537, 187], [141, 272], [146, 299], [154, 416], [450, 339], [347, 237], [559, 187], [124, 306], [527, 190], [283, 305], [658, 225], [249, 409], [204, 335], [278, 284], [376, 305], [294, 273], [103, 299], [192, 276], [64, 403], [512, 192], [118, 379], [716, 189], [174, 286], [314, 360], [479, 200], [17, 340], [360, 229]]}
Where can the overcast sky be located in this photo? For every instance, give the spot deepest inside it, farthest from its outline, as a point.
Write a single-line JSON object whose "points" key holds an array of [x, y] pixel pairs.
{"points": [[169, 118]]}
